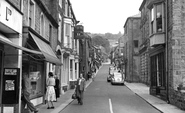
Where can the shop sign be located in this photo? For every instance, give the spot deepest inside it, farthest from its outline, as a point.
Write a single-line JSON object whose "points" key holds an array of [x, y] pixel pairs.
{"points": [[10, 17]]}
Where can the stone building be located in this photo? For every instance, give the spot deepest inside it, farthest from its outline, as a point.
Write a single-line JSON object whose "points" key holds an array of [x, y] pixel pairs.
{"points": [[162, 26], [144, 44], [40, 33], [132, 33]]}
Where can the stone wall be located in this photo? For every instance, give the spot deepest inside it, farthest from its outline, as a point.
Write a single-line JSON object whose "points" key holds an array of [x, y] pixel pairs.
{"points": [[176, 52]]}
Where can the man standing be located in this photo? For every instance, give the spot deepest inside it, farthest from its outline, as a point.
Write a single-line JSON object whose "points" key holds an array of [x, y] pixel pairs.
{"points": [[26, 90], [80, 88]]}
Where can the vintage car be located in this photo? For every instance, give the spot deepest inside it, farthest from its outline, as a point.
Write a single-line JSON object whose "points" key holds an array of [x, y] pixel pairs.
{"points": [[118, 78]]}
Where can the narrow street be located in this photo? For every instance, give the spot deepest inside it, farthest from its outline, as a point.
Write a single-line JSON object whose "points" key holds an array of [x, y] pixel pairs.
{"points": [[102, 97]]}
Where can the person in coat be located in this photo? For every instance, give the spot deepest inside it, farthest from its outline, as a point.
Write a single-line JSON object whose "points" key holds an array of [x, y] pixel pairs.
{"points": [[57, 87], [26, 91], [80, 88]]}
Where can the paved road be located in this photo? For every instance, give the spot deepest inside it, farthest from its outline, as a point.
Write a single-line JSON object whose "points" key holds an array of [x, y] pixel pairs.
{"points": [[102, 97]]}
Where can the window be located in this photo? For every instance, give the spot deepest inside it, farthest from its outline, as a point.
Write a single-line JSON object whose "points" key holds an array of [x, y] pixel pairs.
{"points": [[60, 3], [60, 28], [66, 8], [50, 33], [42, 25], [76, 71], [36, 75], [68, 30], [156, 19], [71, 69], [31, 14], [60, 31], [136, 43]]}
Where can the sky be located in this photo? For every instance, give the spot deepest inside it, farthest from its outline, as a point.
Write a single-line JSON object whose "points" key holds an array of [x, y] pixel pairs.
{"points": [[104, 16]]}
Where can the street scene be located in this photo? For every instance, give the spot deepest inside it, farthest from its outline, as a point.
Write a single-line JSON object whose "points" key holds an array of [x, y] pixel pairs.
{"points": [[102, 97], [90, 56]]}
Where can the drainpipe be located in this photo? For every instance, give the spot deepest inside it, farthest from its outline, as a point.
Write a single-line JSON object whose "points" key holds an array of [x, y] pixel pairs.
{"points": [[166, 51]]}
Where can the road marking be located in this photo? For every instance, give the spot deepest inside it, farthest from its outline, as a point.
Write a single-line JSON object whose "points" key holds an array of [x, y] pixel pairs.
{"points": [[110, 105]]}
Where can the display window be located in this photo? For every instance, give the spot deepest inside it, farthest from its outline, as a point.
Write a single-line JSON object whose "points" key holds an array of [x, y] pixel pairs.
{"points": [[36, 77]]}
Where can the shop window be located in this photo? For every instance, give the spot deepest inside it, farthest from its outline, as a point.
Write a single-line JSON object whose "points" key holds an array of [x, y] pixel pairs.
{"points": [[157, 70], [156, 18], [36, 76]]}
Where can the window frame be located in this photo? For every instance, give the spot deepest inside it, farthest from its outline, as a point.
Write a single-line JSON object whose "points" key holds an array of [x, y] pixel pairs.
{"points": [[153, 18], [50, 32], [42, 24], [32, 16], [60, 3]]}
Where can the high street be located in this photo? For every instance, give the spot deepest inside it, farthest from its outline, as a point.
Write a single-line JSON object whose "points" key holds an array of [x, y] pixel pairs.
{"points": [[102, 97]]}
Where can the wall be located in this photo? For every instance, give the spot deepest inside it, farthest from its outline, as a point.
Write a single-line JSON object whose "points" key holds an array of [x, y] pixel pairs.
{"points": [[176, 51], [133, 33]]}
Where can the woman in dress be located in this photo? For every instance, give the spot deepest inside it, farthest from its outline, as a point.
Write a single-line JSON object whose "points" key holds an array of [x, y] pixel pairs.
{"points": [[50, 93]]}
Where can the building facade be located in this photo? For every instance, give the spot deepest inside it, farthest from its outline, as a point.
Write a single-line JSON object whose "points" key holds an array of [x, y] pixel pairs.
{"points": [[40, 32], [70, 46], [162, 29], [132, 33], [144, 44]]}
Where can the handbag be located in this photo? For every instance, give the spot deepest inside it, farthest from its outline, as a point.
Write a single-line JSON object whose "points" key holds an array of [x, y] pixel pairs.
{"points": [[73, 96]]}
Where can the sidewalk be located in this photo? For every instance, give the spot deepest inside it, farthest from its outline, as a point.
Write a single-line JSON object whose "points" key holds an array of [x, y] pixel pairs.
{"points": [[61, 103], [143, 91]]}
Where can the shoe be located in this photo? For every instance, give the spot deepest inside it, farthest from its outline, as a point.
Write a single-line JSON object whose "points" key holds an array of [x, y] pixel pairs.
{"points": [[48, 107], [36, 111], [52, 107], [81, 103]]}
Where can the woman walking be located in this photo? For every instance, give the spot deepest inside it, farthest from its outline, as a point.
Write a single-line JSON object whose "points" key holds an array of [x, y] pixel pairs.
{"points": [[80, 88], [50, 93], [57, 87]]}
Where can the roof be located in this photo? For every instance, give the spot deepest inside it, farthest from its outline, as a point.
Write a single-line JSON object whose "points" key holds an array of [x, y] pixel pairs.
{"points": [[137, 16]]}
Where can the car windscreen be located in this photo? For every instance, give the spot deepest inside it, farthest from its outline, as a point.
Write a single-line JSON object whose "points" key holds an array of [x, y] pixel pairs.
{"points": [[117, 75]]}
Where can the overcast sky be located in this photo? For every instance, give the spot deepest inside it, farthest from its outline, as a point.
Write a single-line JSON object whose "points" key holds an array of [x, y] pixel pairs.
{"points": [[103, 16]]}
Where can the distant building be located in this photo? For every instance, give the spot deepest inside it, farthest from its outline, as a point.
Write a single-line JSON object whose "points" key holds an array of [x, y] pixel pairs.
{"points": [[132, 33]]}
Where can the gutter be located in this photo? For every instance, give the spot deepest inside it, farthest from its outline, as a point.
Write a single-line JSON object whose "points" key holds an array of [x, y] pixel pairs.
{"points": [[166, 38]]}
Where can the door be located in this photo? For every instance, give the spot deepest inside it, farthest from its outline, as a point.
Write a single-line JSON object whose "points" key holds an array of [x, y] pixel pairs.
{"points": [[158, 73]]}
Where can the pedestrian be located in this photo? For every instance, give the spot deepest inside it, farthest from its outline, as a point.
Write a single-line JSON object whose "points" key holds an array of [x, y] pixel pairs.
{"points": [[93, 76], [57, 87], [50, 92], [80, 88], [26, 91]]}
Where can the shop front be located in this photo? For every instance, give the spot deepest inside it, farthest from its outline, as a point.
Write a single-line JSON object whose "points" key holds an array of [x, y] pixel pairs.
{"points": [[11, 54], [157, 72], [38, 65]]}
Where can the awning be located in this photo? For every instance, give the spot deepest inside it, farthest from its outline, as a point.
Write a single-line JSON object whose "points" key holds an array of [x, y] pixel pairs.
{"points": [[46, 50], [5, 40]]}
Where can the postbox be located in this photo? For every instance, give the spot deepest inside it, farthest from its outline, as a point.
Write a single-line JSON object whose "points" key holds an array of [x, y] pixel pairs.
{"points": [[10, 94]]}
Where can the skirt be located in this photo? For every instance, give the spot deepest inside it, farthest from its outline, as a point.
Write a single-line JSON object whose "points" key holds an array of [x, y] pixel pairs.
{"points": [[50, 94]]}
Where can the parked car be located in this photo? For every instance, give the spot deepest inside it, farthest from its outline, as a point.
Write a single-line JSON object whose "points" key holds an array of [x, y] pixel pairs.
{"points": [[118, 78], [111, 71]]}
